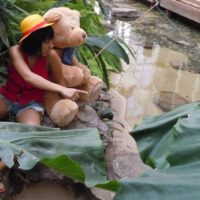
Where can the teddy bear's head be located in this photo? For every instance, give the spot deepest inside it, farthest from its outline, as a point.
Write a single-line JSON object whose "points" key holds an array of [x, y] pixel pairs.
{"points": [[66, 27]]}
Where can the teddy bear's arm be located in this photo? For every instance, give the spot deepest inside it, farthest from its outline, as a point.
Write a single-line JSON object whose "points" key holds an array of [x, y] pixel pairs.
{"points": [[56, 69], [85, 69], [75, 62]]}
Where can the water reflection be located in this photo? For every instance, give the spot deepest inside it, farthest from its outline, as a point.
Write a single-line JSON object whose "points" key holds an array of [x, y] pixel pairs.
{"points": [[150, 74], [122, 30]]}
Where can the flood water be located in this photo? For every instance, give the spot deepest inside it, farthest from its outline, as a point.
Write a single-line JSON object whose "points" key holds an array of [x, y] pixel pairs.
{"points": [[165, 70]]}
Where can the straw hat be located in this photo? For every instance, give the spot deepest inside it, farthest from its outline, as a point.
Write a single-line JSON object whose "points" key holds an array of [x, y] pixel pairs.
{"points": [[32, 23]]}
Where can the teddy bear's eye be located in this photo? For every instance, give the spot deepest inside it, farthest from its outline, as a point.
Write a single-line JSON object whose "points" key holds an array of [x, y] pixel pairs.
{"points": [[72, 28], [47, 40]]}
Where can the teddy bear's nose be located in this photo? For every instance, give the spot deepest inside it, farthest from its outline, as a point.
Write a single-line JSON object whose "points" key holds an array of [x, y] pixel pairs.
{"points": [[84, 35]]}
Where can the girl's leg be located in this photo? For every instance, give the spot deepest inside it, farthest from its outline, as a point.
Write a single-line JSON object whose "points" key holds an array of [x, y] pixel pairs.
{"points": [[30, 116], [3, 109], [2, 166]]}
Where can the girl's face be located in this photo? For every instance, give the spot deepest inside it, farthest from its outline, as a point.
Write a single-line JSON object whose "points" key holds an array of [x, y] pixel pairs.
{"points": [[47, 46]]}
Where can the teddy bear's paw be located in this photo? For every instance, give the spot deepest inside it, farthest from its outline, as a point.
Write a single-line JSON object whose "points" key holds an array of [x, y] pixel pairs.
{"points": [[86, 72], [93, 87], [73, 76], [63, 112], [95, 92]]}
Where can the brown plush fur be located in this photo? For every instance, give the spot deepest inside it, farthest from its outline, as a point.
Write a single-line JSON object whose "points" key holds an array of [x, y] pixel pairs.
{"points": [[69, 34]]}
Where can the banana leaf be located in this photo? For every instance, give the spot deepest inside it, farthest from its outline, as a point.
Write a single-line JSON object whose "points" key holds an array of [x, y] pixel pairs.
{"points": [[39, 5], [11, 15], [174, 184], [3, 33], [175, 157], [78, 154], [153, 129], [99, 42]]}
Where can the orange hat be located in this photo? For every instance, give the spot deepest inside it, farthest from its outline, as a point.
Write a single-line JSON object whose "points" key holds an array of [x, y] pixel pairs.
{"points": [[32, 23]]}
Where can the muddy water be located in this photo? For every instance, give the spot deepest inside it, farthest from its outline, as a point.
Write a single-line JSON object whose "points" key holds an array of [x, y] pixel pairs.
{"points": [[165, 70], [46, 190], [143, 80]]}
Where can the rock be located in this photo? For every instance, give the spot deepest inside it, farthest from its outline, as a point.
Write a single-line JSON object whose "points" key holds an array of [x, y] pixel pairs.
{"points": [[103, 110], [178, 64], [105, 96], [168, 100], [102, 194], [147, 23], [179, 40], [88, 118], [122, 156], [109, 27], [125, 13], [124, 164], [46, 121], [148, 45]]}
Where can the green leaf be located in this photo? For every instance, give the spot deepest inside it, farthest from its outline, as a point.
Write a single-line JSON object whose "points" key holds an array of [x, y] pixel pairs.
{"points": [[132, 52], [78, 154], [104, 70], [161, 185], [101, 65], [111, 185], [112, 62], [3, 33], [186, 147], [66, 166], [152, 129], [99, 42], [175, 155]]}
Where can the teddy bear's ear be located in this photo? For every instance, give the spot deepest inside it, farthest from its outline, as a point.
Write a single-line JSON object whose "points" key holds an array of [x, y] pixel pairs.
{"points": [[77, 13], [51, 17]]}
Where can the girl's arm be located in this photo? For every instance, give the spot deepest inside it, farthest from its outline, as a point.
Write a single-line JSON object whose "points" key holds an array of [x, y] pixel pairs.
{"points": [[56, 68], [36, 80]]}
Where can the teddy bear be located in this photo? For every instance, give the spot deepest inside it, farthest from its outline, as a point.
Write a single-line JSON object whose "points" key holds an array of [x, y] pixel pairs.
{"points": [[67, 36]]}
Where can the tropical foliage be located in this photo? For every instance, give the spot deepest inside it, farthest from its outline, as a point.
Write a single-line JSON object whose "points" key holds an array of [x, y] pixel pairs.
{"points": [[8, 22], [59, 149], [169, 143]]}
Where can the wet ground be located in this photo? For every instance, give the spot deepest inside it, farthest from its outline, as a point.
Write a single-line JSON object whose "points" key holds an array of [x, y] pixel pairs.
{"points": [[165, 71]]}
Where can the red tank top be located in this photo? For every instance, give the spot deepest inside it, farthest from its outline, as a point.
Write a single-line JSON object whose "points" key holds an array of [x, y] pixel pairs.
{"points": [[16, 89]]}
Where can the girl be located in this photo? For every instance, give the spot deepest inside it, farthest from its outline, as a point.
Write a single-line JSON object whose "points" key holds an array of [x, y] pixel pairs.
{"points": [[28, 74]]}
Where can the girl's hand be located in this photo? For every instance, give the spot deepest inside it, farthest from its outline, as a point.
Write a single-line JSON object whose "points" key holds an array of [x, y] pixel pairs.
{"points": [[71, 93]]}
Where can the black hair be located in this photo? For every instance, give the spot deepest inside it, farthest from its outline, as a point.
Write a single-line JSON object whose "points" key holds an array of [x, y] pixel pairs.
{"points": [[33, 43]]}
